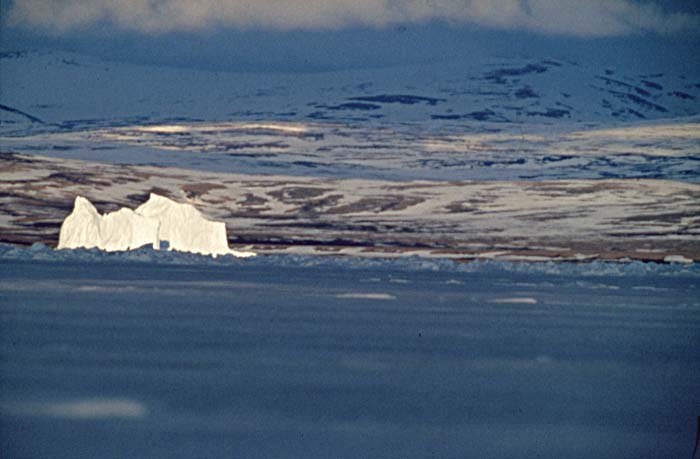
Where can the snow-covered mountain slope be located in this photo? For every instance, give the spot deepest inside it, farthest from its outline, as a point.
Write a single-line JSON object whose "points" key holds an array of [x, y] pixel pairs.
{"points": [[666, 149], [64, 91], [498, 119]]}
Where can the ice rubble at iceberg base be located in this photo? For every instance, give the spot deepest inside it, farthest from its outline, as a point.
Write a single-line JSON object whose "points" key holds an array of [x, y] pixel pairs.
{"points": [[158, 219]]}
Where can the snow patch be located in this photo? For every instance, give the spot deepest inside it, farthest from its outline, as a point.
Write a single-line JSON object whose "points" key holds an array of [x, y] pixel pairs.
{"points": [[367, 296], [159, 219], [515, 301], [98, 408]]}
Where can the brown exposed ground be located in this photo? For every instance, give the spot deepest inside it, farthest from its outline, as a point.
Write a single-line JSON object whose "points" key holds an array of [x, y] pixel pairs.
{"points": [[565, 220]]}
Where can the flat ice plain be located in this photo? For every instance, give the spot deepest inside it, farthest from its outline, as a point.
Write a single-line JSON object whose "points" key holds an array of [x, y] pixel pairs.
{"points": [[160, 355]]}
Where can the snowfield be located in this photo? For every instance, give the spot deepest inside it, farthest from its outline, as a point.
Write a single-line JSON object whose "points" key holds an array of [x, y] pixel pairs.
{"points": [[652, 149], [475, 119], [86, 92]]}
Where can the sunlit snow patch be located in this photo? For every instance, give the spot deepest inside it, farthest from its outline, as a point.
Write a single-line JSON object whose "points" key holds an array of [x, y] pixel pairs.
{"points": [[515, 301], [159, 219], [366, 296], [98, 408]]}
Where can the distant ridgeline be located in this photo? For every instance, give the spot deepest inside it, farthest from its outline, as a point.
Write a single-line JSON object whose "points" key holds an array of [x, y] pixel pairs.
{"points": [[159, 219]]}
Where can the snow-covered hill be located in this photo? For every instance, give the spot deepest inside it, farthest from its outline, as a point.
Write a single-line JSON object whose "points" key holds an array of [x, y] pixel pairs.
{"points": [[505, 119], [52, 91]]}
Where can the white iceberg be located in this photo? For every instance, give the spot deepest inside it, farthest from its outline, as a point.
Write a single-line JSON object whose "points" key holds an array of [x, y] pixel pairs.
{"points": [[116, 231], [159, 219]]}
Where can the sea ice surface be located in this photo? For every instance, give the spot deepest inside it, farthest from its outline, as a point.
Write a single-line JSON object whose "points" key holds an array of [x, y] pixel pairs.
{"points": [[164, 354]]}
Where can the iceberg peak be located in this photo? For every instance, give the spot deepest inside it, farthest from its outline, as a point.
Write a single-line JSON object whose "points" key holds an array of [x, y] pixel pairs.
{"points": [[158, 219], [83, 203]]}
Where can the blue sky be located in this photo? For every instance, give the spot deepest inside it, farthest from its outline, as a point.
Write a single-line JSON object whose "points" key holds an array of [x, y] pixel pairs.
{"points": [[315, 35]]}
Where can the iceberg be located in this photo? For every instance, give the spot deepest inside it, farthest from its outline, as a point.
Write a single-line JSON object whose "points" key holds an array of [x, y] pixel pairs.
{"points": [[116, 231], [158, 219]]}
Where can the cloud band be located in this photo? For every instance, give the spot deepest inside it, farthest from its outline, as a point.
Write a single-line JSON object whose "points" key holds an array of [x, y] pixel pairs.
{"points": [[588, 18]]}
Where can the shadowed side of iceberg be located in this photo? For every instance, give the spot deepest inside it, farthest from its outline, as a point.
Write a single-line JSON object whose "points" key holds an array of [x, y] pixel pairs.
{"points": [[159, 219]]}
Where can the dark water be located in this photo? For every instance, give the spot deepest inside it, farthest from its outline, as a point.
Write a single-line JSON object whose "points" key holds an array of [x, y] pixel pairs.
{"points": [[144, 360]]}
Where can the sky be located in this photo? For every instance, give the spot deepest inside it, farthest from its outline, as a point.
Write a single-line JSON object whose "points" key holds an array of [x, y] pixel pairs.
{"points": [[319, 35]]}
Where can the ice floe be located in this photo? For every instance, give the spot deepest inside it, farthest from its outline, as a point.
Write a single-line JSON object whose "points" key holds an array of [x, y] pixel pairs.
{"points": [[159, 219], [677, 259]]}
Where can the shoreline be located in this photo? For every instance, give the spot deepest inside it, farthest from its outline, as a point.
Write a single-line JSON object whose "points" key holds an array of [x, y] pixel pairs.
{"points": [[457, 257]]}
